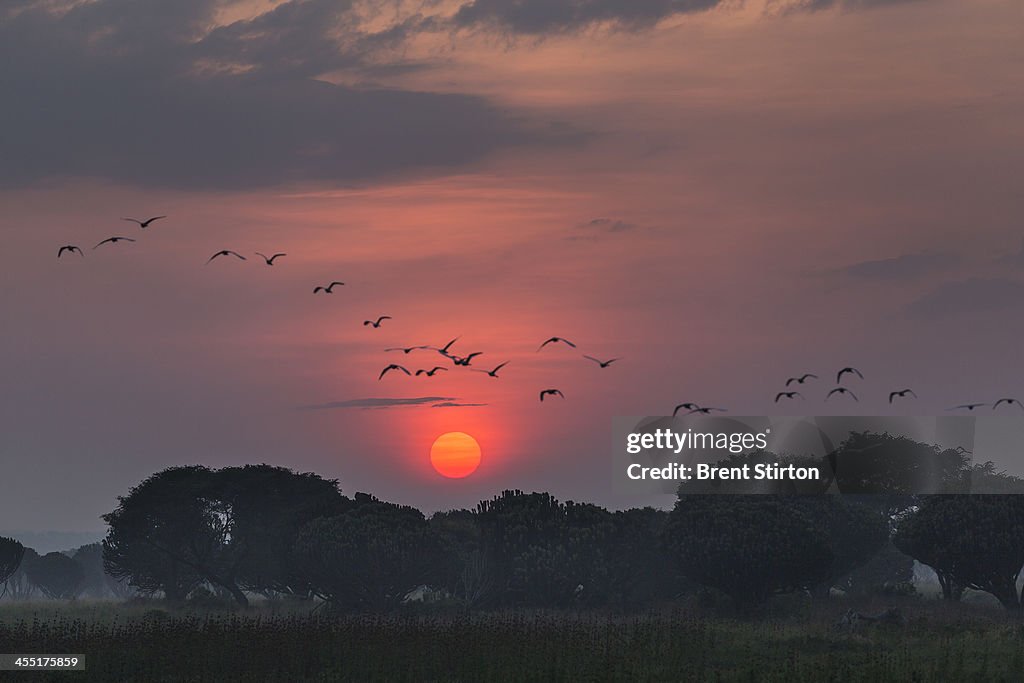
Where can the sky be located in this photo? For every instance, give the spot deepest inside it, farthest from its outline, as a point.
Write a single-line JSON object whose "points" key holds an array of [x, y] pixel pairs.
{"points": [[721, 193]]}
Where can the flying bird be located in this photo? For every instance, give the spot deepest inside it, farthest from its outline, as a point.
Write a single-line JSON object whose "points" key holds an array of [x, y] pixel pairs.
{"points": [[550, 392], [842, 390], [967, 406], [1009, 402], [801, 379], [555, 340], [393, 366], [430, 373], [494, 372], [376, 323], [114, 240], [688, 406], [902, 393], [444, 349], [69, 248], [329, 289], [787, 394], [465, 361], [706, 411], [226, 252], [406, 349], [145, 223], [852, 371], [602, 363], [269, 259]]}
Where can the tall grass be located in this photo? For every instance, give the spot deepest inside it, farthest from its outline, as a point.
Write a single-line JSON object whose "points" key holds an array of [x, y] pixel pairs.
{"points": [[143, 644]]}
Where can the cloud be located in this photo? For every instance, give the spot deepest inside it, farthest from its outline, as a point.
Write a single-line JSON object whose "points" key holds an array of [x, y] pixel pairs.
{"points": [[789, 6], [380, 402], [975, 295], [539, 17], [153, 93], [902, 267], [452, 404], [608, 225]]}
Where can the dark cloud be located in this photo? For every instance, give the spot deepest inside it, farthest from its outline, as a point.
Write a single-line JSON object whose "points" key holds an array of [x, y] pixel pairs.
{"points": [[381, 402], [975, 295], [144, 92], [452, 404], [538, 17], [902, 267], [608, 225]]}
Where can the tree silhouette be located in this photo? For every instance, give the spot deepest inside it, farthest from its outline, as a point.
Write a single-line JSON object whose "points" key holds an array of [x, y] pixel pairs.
{"points": [[749, 547], [11, 554], [58, 576], [970, 541]]}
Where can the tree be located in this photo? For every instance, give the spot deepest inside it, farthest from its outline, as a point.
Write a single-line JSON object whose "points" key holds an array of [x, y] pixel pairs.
{"points": [[371, 556], [11, 554], [98, 583], [232, 528], [18, 585], [58, 576], [972, 541], [749, 547], [855, 532]]}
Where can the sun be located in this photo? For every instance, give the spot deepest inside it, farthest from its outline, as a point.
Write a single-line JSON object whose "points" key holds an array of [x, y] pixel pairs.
{"points": [[455, 455]]}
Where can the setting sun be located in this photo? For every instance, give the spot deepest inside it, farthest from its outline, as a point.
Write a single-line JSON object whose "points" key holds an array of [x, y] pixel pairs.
{"points": [[455, 455]]}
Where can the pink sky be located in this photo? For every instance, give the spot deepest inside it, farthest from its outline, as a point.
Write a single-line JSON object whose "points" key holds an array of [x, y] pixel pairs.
{"points": [[780, 193]]}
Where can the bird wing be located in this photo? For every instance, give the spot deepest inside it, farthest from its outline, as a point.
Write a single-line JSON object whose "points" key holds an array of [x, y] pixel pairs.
{"points": [[779, 395], [810, 374], [912, 393], [501, 366], [854, 395], [892, 395], [132, 220], [791, 380], [336, 283], [559, 393], [545, 344], [235, 253], [405, 370], [592, 358], [276, 255], [569, 343], [317, 289], [219, 253], [154, 218], [102, 242]]}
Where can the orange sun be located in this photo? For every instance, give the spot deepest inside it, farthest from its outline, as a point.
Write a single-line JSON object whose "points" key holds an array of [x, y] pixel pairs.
{"points": [[455, 455]]}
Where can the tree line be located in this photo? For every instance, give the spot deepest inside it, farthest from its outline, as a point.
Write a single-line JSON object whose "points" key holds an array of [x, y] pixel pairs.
{"points": [[259, 530]]}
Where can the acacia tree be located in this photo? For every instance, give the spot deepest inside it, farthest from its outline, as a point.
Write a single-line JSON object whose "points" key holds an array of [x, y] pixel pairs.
{"points": [[232, 528], [749, 546], [970, 541], [11, 554], [58, 576]]}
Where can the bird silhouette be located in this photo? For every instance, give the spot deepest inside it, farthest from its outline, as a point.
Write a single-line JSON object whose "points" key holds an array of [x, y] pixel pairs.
{"points": [[555, 340], [801, 379], [967, 406], [70, 248], [376, 323], [550, 392], [269, 259], [902, 393], [787, 394], [842, 390], [602, 363], [847, 369], [145, 223], [494, 372], [1009, 402], [406, 349], [114, 240], [444, 349], [706, 411], [430, 373], [465, 360], [688, 406], [393, 366], [226, 252], [329, 289]]}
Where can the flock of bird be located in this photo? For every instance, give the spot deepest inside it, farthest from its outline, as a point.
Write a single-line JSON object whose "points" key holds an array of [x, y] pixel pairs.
{"points": [[465, 361], [841, 390], [444, 351]]}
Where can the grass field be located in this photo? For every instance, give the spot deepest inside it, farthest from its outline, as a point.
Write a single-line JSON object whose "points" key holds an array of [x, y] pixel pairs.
{"points": [[141, 643]]}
